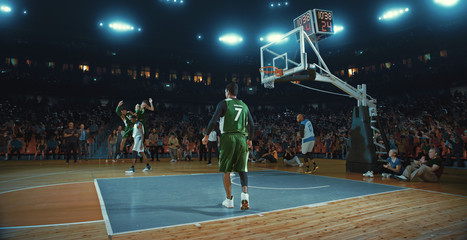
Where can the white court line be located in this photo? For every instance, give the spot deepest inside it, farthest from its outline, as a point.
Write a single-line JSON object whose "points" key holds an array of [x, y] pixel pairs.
{"points": [[253, 214], [275, 188], [50, 225], [50, 185], [104, 210], [172, 175], [452, 194], [38, 175]]}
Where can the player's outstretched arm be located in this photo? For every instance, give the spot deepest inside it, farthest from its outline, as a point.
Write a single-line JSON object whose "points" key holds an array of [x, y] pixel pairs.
{"points": [[150, 107], [118, 111]]}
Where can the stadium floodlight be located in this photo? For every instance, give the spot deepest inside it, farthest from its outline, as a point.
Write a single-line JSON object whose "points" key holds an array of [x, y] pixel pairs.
{"points": [[446, 3], [338, 28], [272, 4], [392, 14], [101, 24], [121, 27], [5, 8], [272, 37], [231, 39], [25, 12], [286, 3]]}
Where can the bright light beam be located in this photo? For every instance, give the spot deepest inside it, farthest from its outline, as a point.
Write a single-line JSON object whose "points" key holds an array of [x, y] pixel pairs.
{"points": [[231, 39], [392, 14], [5, 8], [446, 3], [338, 28], [121, 27], [272, 37]]}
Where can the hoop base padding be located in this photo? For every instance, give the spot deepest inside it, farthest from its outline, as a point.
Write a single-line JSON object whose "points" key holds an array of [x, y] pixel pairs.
{"points": [[362, 155]]}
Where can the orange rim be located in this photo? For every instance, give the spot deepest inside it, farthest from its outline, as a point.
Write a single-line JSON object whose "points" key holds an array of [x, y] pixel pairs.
{"points": [[276, 71]]}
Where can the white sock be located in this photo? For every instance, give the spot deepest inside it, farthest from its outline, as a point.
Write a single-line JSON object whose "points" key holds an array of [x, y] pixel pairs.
{"points": [[296, 159]]}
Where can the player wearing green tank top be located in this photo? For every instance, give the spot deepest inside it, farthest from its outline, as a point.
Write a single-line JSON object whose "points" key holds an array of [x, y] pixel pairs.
{"points": [[140, 113], [126, 118], [237, 128]]}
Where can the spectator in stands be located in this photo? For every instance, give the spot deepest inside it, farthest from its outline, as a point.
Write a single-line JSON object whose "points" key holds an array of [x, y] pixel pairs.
{"points": [[392, 142], [16, 146], [52, 145], [70, 137], [4, 142], [424, 170], [160, 145], [392, 166], [152, 144], [213, 144], [457, 150], [112, 144], [401, 146], [328, 144], [290, 158], [41, 147], [186, 149], [270, 156], [83, 141], [173, 146], [120, 134]]}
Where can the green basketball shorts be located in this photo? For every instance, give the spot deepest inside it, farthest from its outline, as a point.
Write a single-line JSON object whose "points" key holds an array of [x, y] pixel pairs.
{"points": [[233, 155]]}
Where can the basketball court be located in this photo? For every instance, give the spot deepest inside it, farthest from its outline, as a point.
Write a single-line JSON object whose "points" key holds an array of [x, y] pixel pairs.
{"points": [[96, 200], [135, 204]]}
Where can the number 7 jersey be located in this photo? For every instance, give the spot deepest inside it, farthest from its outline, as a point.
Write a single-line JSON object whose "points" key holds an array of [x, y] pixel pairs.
{"points": [[235, 119]]}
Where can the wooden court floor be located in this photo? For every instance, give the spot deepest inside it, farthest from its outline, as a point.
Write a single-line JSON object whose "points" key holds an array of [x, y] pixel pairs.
{"points": [[51, 200]]}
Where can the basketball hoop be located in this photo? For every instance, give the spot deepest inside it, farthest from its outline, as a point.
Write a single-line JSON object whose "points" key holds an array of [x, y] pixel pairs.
{"points": [[269, 71]]}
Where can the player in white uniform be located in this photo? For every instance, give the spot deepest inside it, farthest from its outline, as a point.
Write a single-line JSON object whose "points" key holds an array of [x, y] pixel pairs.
{"points": [[138, 145], [308, 141]]}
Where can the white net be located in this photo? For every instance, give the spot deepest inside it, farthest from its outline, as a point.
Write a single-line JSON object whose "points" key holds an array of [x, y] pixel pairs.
{"points": [[269, 84], [268, 73]]}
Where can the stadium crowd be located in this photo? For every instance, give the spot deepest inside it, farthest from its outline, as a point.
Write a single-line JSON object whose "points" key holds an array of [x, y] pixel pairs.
{"points": [[413, 126], [35, 126]]}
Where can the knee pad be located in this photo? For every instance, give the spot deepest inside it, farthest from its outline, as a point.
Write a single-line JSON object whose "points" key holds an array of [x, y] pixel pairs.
{"points": [[243, 178]]}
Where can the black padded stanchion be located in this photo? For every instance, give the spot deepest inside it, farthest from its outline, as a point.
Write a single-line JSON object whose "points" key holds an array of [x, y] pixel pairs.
{"points": [[362, 156]]}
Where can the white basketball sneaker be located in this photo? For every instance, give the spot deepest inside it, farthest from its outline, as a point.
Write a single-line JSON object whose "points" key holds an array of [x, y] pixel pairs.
{"points": [[368, 174], [245, 201], [228, 203]]}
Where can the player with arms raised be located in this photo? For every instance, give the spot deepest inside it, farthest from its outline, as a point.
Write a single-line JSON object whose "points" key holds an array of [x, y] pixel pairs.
{"points": [[126, 118], [236, 125], [308, 141], [141, 111]]}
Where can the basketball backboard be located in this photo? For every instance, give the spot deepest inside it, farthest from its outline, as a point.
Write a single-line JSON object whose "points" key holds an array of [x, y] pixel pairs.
{"points": [[287, 53]]}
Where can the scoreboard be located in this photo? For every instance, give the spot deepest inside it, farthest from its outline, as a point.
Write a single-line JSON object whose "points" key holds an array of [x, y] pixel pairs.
{"points": [[317, 23]]}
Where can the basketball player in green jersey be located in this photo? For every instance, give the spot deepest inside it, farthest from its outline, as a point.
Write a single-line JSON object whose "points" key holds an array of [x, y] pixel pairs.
{"points": [[141, 112], [126, 118], [237, 129]]}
